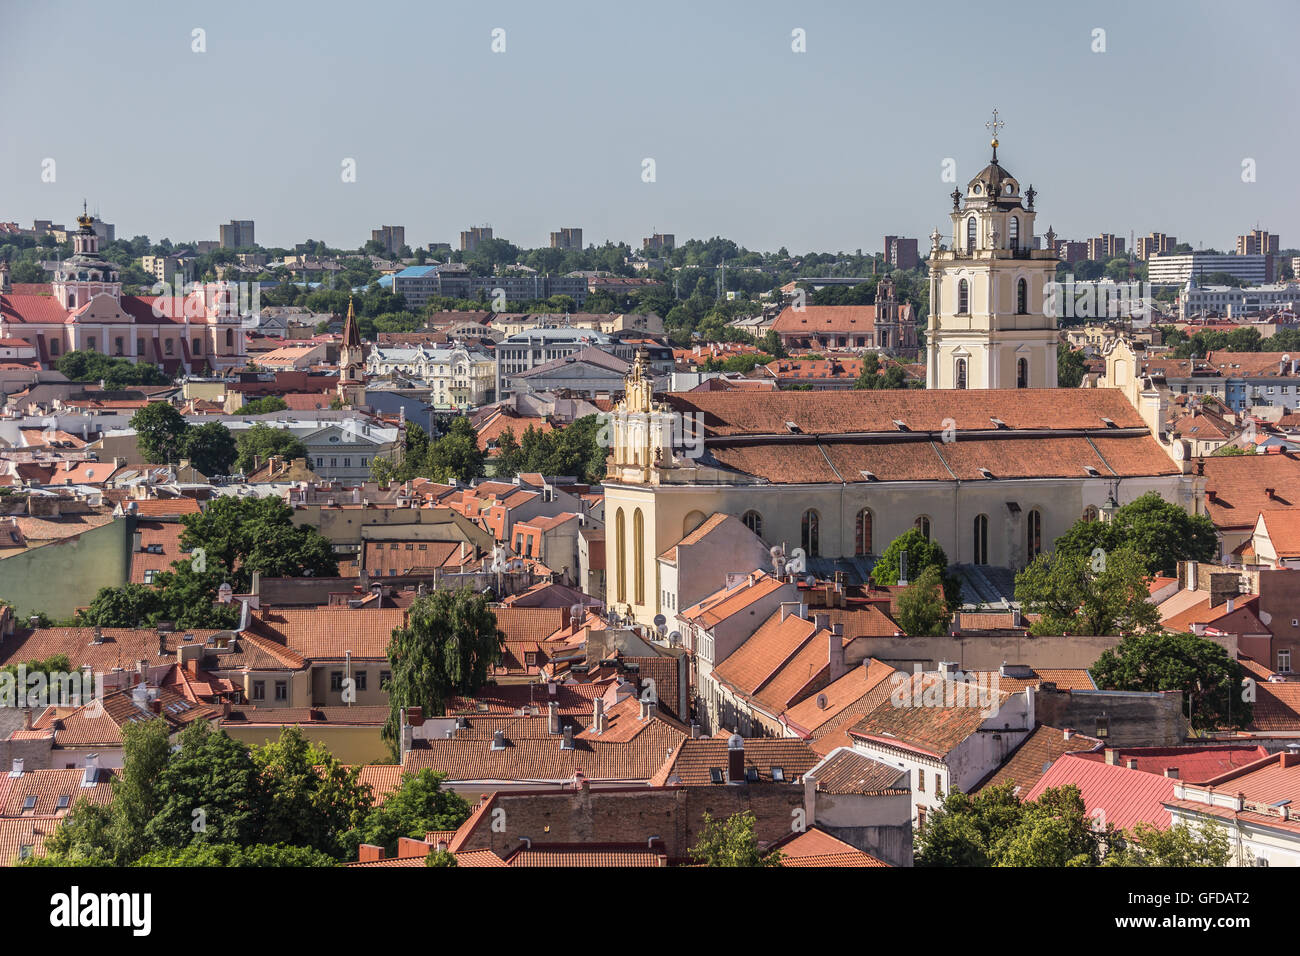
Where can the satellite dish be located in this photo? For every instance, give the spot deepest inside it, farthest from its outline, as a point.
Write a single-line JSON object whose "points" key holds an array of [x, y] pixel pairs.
{"points": [[613, 618], [821, 701], [811, 581], [576, 613], [675, 637], [660, 620]]}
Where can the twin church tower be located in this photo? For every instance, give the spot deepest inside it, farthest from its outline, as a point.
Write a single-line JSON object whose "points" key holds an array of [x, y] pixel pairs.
{"points": [[988, 327]]}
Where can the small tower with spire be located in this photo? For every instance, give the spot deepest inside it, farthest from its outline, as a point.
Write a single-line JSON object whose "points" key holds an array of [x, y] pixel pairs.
{"points": [[352, 369]]}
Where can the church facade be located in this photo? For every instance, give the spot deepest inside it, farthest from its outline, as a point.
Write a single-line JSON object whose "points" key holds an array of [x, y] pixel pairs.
{"points": [[84, 308], [992, 461]]}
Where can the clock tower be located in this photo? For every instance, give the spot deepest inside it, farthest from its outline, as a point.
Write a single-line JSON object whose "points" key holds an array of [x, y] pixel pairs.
{"points": [[989, 326]]}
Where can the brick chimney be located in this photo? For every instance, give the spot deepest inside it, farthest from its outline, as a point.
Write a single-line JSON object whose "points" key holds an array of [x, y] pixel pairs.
{"points": [[369, 853], [598, 715], [736, 759], [835, 652]]}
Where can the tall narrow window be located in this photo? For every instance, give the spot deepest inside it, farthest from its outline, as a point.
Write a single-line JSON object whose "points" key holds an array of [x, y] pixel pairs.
{"points": [[1034, 535], [638, 557], [963, 297], [960, 376], [810, 533], [923, 526], [981, 539], [1022, 297], [1013, 233], [620, 549], [1022, 373], [970, 234], [754, 522], [862, 542], [1090, 513]]}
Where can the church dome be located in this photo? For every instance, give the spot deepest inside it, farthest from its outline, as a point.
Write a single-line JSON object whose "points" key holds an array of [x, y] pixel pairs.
{"points": [[993, 183]]}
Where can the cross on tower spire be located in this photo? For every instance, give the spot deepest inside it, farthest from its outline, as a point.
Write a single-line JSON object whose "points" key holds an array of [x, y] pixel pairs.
{"points": [[994, 125]]}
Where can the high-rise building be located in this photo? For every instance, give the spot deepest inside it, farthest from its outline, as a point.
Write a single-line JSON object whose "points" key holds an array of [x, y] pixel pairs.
{"points": [[392, 238], [238, 234], [567, 238], [1105, 246], [988, 327], [659, 242], [1155, 244], [470, 238], [1257, 242], [900, 253], [1070, 251]]}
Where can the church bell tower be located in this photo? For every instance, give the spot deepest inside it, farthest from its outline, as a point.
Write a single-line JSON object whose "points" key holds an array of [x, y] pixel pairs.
{"points": [[989, 324]]}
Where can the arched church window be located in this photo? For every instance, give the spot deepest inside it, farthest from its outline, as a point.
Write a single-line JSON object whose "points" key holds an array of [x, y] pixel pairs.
{"points": [[981, 539], [960, 376], [638, 558], [620, 549], [1090, 513], [753, 521], [862, 536], [1022, 297], [923, 526], [1013, 232], [810, 533], [970, 234], [1033, 535], [1022, 373], [963, 297]]}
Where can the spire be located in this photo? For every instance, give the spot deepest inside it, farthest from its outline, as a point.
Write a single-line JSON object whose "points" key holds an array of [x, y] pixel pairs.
{"points": [[351, 337], [994, 125]]}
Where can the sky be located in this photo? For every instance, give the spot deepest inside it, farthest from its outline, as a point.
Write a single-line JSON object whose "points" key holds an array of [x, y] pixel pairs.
{"points": [[828, 149]]}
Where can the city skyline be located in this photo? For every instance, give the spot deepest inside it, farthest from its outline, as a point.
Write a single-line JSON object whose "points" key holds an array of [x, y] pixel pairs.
{"points": [[750, 139]]}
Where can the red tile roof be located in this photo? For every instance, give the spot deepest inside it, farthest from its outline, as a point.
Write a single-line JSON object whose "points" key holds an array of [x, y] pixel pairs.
{"points": [[1114, 796]]}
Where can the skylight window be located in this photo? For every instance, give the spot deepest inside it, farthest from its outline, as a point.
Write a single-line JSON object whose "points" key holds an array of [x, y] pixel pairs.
{"points": [[778, 774], [715, 774]]}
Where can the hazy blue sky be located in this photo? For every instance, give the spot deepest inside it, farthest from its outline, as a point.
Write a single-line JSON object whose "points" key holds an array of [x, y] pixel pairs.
{"points": [[828, 149]]}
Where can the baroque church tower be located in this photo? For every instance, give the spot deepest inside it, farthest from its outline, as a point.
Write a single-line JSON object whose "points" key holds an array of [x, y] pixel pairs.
{"points": [[989, 327], [352, 368]]}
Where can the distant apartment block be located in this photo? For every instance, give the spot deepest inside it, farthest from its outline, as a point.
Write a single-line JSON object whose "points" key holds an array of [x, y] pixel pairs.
{"points": [[166, 268], [1257, 242], [1071, 251], [659, 242], [470, 238], [238, 234], [567, 238], [1105, 246], [1177, 270], [1155, 244], [392, 238], [417, 284], [900, 253]]}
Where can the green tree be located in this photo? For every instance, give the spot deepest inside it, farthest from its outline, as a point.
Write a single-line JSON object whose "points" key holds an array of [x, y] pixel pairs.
{"points": [[1095, 594], [213, 774], [921, 553], [731, 842], [1161, 532], [1180, 845], [261, 406], [418, 805], [137, 795], [210, 448], [455, 455], [1209, 678], [1226, 451], [238, 536], [262, 441], [127, 605], [231, 854], [1070, 367], [438, 857], [922, 610], [310, 798], [448, 646], [82, 838], [160, 432]]}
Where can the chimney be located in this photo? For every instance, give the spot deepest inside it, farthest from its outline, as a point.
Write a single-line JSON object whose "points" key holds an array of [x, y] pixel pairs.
{"points": [[598, 716], [552, 718], [821, 620], [835, 652], [567, 742], [1069, 733], [27, 718], [1112, 757], [1232, 603], [498, 740], [90, 776], [17, 770], [1131, 763], [1171, 773], [695, 731], [648, 708], [736, 759]]}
